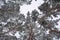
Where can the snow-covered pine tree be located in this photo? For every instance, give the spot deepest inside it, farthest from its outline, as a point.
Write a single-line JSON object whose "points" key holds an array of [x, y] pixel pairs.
{"points": [[35, 26]]}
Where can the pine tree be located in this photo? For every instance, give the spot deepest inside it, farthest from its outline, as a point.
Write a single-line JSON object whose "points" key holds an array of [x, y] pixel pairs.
{"points": [[32, 27]]}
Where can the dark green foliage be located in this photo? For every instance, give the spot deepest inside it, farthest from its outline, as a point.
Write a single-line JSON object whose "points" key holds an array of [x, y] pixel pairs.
{"points": [[44, 7], [34, 15], [50, 24], [57, 0], [42, 21], [5, 37]]}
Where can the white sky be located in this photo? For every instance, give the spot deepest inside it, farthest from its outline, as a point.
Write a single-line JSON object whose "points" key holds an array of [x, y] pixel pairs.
{"points": [[34, 5]]}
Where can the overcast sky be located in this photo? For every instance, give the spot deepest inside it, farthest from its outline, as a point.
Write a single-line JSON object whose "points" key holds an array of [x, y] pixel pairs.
{"points": [[34, 5]]}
